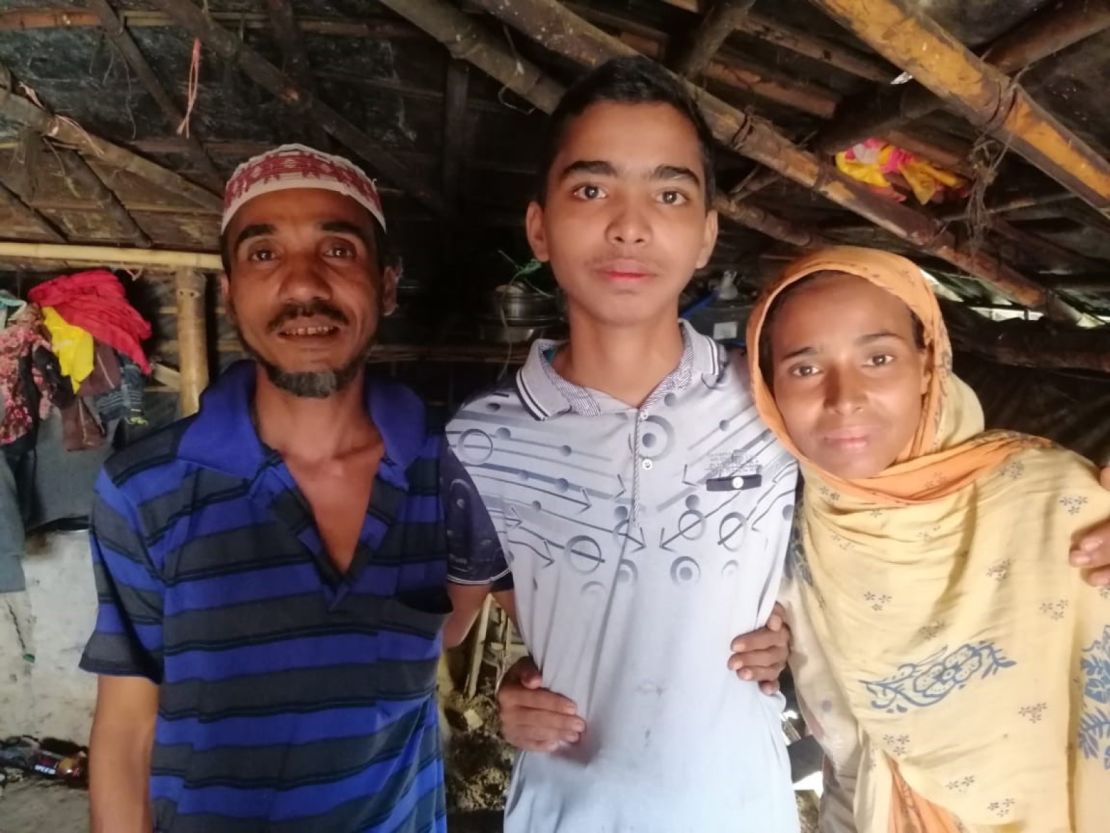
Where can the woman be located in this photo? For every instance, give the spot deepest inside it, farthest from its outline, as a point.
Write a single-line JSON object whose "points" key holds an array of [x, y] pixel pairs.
{"points": [[956, 673]]}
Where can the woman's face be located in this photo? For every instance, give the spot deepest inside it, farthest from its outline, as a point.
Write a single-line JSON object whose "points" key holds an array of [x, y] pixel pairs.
{"points": [[847, 374]]}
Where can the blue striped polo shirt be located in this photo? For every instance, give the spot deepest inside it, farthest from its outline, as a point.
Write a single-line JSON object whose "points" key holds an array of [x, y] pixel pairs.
{"points": [[291, 697]]}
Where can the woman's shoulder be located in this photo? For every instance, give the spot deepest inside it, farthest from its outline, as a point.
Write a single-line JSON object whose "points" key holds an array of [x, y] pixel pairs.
{"points": [[1045, 471]]}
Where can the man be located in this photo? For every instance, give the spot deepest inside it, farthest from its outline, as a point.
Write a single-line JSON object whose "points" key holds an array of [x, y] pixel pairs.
{"points": [[272, 571], [644, 509]]}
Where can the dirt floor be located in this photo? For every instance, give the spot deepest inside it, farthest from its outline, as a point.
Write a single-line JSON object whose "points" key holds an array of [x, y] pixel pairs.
{"points": [[36, 804]]}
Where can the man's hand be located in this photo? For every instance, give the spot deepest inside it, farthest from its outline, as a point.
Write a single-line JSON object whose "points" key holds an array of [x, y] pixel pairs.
{"points": [[1092, 551], [533, 718], [761, 655]]}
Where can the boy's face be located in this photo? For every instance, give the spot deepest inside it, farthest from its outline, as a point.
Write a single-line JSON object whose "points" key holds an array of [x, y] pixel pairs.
{"points": [[625, 222]]}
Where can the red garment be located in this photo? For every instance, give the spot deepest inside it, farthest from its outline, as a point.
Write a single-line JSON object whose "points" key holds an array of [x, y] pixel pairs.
{"points": [[95, 302]]}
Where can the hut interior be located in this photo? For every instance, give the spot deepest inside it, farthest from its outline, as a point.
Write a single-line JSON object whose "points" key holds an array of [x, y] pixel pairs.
{"points": [[967, 136]]}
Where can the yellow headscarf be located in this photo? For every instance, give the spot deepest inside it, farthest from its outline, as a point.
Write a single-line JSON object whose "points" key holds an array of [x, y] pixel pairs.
{"points": [[945, 652]]}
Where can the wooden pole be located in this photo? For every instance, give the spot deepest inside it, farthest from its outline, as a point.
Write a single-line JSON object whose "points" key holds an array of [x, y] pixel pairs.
{"points": [[563, 32], [288, 36], [719, 22], [477, 648], [225, 44], [119, 36], [108, 255], [192, 338], [467, 41], [456, 91], [986, 97], [25, 112]]}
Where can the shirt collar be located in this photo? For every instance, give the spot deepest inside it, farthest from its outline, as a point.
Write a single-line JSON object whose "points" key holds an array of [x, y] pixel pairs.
{"points": [[544, 394], [223, 437]]}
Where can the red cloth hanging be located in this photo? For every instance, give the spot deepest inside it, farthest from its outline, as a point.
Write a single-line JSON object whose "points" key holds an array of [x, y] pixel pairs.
{"points": [[95, 301]]}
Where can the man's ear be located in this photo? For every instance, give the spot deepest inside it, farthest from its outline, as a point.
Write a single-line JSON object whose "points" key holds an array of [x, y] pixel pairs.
{"points": [[391, 277], [537, 234]]}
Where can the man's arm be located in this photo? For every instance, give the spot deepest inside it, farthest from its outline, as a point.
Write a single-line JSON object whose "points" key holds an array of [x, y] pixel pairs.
{"points": [[119, 754], [125, 652]]}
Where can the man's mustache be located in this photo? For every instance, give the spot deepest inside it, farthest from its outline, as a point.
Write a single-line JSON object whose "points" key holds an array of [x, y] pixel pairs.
{"points": [[291, 312]]}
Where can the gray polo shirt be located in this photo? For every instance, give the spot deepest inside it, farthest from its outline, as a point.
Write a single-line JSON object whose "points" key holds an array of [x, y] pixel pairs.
{"points": [[640, 542]]}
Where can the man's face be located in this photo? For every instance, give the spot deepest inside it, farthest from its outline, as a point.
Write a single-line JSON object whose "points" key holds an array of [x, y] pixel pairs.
{"points": [[625, 223], [305, 291]]}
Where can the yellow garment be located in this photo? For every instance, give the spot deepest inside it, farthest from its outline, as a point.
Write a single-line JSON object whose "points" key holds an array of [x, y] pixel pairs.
{"points": [[869, 162], [72, 345], [954, 666]]}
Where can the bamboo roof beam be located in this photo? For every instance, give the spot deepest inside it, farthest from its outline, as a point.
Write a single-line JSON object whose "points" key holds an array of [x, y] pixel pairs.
{"points": [[108, 255], [26, 215], [1057, 27], [561, 31], [803, 43], [90, 183], [127, 47], [25, 112], [468, 41], [1048, 32], [289, 92], [984, 95], [295, 56], [734, 72], [67, 18], [826, 51], [717, 24]]}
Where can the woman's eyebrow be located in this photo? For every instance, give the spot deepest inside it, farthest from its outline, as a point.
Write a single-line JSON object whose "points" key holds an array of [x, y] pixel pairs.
{"points": [[878, 336]]}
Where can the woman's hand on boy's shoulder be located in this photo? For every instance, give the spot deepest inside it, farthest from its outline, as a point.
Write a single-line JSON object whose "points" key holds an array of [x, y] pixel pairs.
{"points": [[1092, 551]]}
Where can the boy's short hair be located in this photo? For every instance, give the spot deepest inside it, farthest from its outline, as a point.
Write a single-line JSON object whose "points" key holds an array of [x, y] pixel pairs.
{"points": [[629, 80]]}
